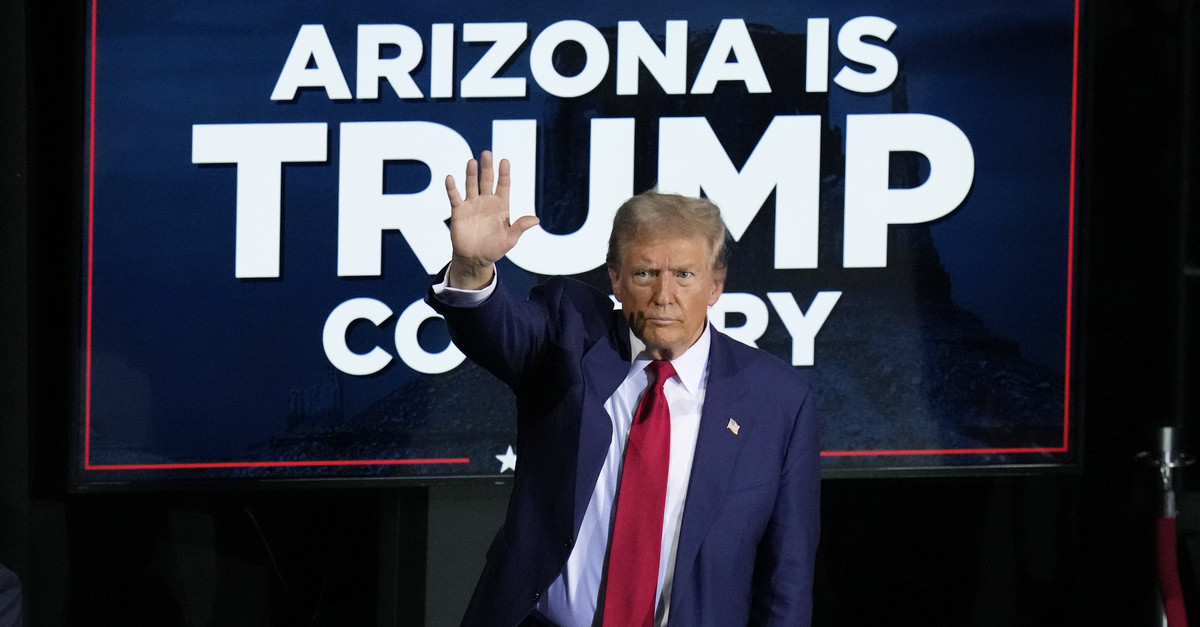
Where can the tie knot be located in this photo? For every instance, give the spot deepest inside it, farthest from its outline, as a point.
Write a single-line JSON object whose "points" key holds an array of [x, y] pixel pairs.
{"points": [[662, 370]]}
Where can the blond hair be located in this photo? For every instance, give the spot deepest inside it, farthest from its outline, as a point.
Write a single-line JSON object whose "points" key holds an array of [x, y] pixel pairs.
{"points": [[657, 214]]}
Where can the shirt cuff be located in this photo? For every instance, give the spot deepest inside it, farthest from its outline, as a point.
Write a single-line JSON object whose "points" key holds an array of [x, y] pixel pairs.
{"points": [[458, 297]]}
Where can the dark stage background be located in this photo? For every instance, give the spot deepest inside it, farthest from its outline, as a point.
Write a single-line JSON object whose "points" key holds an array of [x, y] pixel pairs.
{"points": [[1047, 549]]}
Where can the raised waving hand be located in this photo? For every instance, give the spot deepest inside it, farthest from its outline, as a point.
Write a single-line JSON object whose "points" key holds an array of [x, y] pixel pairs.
{"points": [[480, 230]]}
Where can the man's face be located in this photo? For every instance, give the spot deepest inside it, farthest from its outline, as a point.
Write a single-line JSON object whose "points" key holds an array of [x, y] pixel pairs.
{"points": [[665, 285]]}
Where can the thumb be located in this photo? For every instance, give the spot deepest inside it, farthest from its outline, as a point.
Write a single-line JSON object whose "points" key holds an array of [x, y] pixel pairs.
{"points": [[524, 223]]}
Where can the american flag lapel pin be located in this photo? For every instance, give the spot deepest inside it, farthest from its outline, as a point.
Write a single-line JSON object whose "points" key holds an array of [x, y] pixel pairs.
{"points": [[733, 426]]}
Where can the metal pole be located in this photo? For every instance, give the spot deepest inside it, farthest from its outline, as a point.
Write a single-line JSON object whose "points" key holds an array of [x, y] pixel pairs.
{"points": [[1167, 458]]}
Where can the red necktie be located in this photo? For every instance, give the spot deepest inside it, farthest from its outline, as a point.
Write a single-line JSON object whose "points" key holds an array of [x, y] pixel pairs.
{"points": [[636, 545]]}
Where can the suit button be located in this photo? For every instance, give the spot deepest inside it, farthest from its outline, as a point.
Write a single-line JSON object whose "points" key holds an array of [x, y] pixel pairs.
{"points": [[537, 595]]}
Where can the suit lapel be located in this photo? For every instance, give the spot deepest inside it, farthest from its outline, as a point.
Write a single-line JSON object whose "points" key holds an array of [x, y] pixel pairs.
{"points": [[605, 365], [717, 450]]}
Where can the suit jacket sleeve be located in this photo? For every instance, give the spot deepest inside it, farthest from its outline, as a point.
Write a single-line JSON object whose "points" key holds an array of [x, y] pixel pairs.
{"points": [[783, 591], [10, 599], [503, 334]]}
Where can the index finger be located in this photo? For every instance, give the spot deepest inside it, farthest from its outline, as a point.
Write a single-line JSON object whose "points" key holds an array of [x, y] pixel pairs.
{"points": [[504, 182]]}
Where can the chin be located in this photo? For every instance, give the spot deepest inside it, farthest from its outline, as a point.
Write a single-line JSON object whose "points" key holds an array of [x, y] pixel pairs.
{"points": [[659, 342]]}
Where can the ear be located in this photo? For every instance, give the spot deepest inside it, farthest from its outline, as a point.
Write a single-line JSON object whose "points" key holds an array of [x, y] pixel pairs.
{"points": [[717, 288], [615, 278]]}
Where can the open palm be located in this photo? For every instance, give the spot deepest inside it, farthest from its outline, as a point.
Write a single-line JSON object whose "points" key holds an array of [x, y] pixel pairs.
{"points": [[480, 229]]}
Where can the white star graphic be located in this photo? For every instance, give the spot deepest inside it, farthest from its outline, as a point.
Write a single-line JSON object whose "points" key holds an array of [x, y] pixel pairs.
{"points": [[508, 461]]}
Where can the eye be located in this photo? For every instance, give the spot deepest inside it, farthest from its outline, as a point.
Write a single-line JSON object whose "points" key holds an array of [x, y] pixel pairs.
{"points": [[642, 274], [684, 274]]}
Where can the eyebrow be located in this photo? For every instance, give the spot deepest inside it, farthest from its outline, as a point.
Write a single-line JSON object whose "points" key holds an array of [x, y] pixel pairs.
{"points": [[636, 268]]}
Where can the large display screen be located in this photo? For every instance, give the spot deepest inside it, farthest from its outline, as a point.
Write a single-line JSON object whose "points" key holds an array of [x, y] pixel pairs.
{"points": [[265, 207]]}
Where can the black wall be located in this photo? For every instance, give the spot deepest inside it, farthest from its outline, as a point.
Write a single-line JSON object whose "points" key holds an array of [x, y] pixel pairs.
{"points": [[1048, 549]]}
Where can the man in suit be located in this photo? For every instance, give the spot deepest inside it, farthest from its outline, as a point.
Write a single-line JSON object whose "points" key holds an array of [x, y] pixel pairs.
{"points": [[10, 599], [668, 474]]}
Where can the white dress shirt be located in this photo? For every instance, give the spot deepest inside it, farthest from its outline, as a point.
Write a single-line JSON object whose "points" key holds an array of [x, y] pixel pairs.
{"points": [[573, 599]]}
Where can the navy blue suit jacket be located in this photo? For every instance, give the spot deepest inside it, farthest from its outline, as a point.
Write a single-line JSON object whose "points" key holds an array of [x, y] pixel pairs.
{"points": [[10, 599], [751, 517]]}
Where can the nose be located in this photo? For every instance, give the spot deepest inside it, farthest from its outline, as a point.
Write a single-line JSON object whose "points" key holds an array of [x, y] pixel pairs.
{"points": [[664, 289]]}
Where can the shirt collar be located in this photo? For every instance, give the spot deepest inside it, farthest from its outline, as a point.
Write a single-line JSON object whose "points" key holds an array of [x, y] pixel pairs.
{"points": [[689, 366]]}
